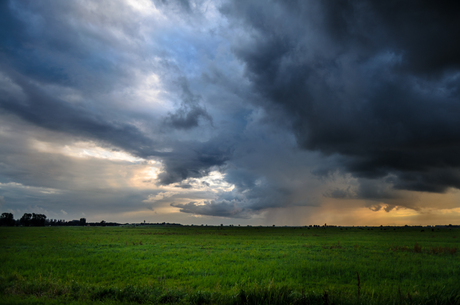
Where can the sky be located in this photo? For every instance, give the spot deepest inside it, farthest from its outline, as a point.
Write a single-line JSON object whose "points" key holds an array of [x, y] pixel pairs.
{"points": [[231, 112]]}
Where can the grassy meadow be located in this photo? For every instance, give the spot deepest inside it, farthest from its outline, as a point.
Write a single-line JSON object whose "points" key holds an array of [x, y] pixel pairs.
{"points": [[229, 265]]}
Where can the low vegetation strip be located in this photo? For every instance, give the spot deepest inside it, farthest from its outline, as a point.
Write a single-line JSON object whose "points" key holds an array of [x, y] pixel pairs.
{"points": [[228, 265], [48, 293]]}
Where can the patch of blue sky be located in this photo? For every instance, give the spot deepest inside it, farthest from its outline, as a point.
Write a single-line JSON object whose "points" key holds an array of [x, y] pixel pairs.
{"points": [[189, 49]]}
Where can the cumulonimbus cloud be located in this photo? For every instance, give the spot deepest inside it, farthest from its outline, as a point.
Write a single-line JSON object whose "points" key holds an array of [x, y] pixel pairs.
{"points": [[376, 83]]}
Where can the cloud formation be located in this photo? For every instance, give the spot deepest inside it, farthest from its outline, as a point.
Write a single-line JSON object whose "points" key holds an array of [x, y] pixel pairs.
{"points": [[376, 83], [229, 109], [190, 111]]}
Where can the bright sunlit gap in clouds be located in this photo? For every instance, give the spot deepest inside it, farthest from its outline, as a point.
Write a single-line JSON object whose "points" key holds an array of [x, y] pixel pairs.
{"points": [[84, 150]]}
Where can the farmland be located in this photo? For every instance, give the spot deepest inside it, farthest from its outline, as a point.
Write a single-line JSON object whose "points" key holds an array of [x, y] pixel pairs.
{"points": [[229, 265]]}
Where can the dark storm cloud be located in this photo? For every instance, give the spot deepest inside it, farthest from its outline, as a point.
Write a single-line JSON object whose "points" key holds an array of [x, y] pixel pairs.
{"points": [[190, 111], [187, 117], [11, 29], [423, 30], [48, 112], [194, 160], [376, 83], [50, 45]]}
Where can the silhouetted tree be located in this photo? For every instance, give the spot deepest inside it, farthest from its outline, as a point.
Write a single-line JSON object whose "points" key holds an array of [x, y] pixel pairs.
{"points": [[7, 219], [26, 219], [82, 221], [38, 220]]}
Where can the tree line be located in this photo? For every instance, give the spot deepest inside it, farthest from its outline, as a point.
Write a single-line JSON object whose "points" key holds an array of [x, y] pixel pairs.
{"points": [[38, 220]]}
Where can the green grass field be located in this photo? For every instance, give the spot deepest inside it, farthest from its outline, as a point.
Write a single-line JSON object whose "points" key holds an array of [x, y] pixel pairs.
{"points": [[229, 265]]}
